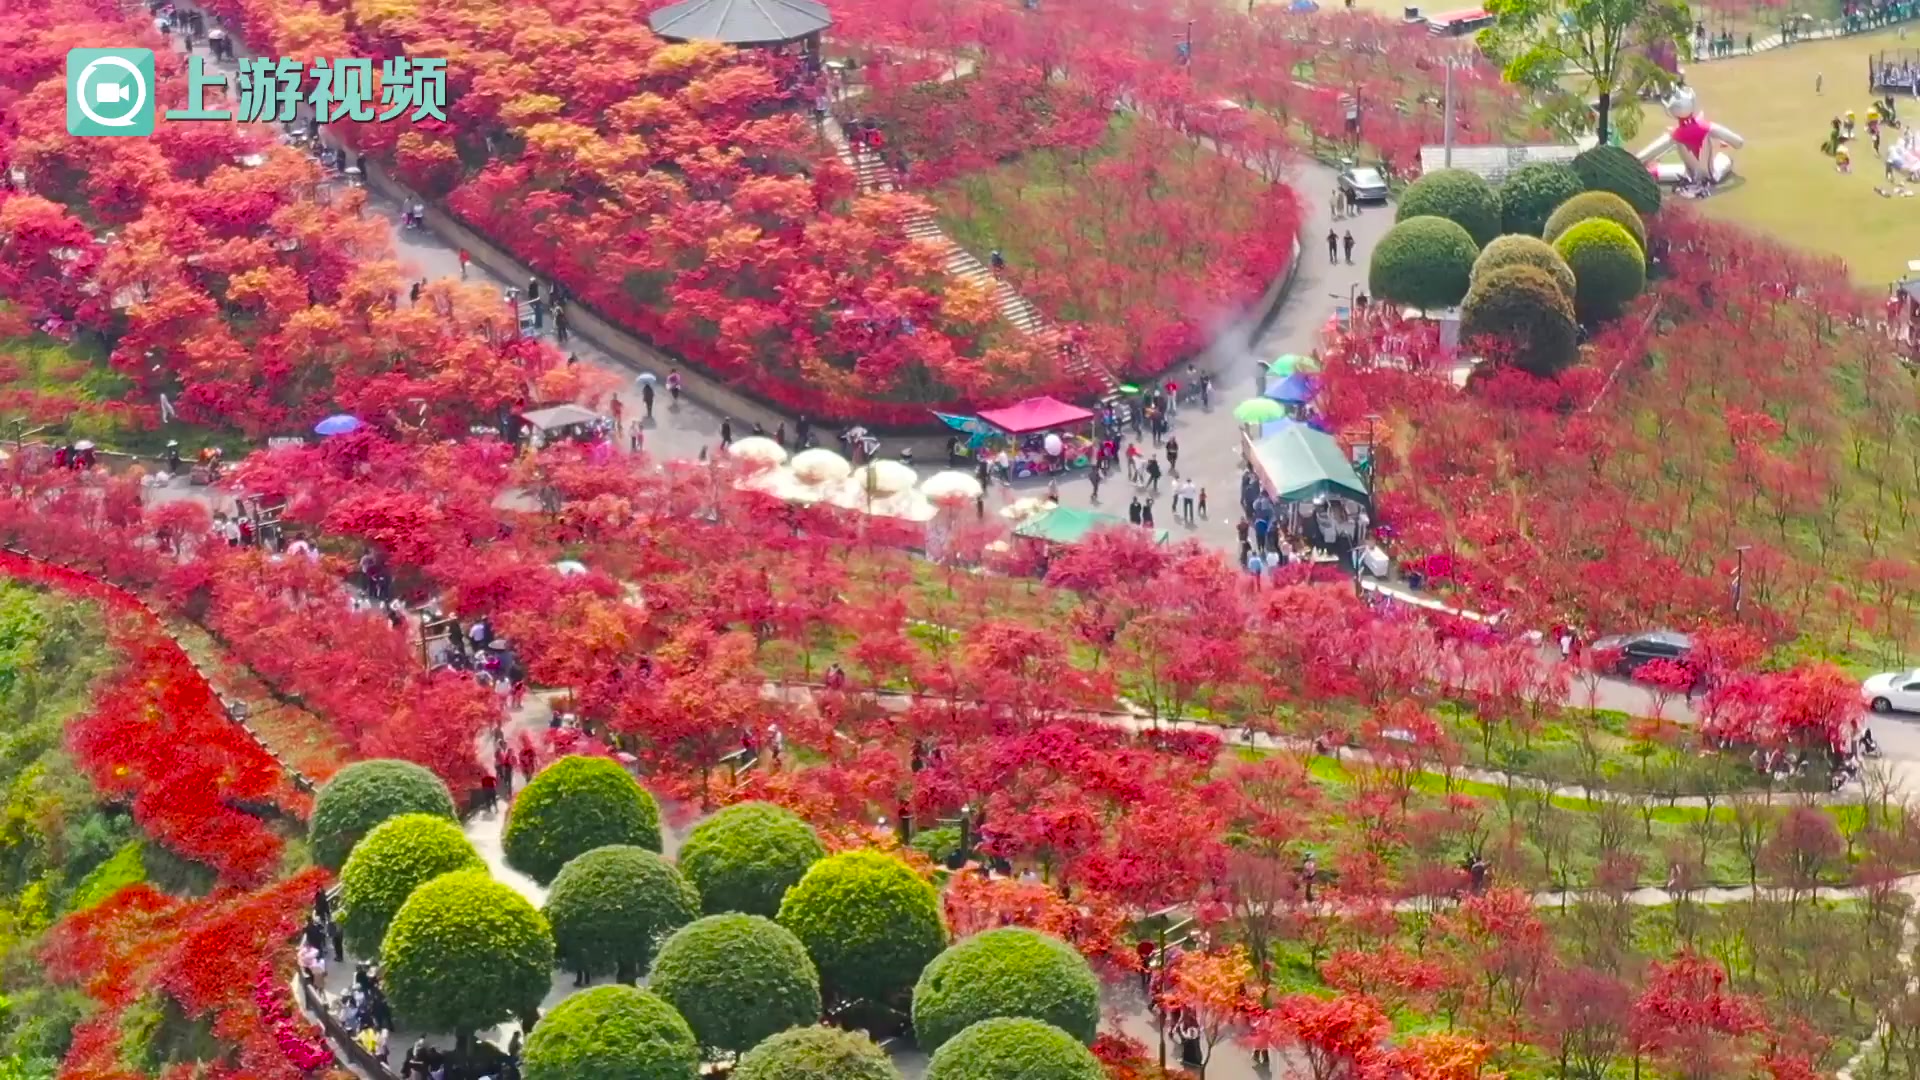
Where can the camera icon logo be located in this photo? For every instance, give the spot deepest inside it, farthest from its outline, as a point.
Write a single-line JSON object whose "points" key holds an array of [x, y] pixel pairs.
{"points": [[110, 92]]}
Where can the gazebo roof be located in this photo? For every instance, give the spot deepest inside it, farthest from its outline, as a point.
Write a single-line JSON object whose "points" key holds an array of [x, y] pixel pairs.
{"points": [[740, 22]]}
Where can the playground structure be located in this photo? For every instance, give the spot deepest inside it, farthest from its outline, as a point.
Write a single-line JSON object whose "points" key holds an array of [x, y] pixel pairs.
{"points": [[1693, 135], [1893, 69]]}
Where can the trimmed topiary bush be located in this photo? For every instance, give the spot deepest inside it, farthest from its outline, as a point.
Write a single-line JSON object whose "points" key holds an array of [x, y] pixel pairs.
{"points": [[1608, 267], [737, 979], [363, 795], [464, 953], [611, 1033], [1532, 191], [1611, 168], [575, 805], [1597, 204], [1009, 1046], [1527, 311], [869, 922], [1457, 195], [610, 907], [816, 1053], [388, 864], [746, 857], [1424, 261], [1524, 251], [1007, 972]]}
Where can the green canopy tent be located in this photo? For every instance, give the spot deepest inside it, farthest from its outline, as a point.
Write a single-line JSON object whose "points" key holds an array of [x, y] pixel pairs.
{"points": [[1066, 525], [1299, 463]]}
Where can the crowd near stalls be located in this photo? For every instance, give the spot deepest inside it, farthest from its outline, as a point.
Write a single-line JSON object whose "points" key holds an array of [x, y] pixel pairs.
{"points": [[1038, 436], [1303, 498]]}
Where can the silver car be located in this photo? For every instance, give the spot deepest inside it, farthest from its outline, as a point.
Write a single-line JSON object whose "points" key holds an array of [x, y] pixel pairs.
{"points": [[1364, 185]]}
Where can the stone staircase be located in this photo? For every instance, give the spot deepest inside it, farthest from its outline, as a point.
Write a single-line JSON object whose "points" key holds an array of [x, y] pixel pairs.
{"points": [[872, 173]]}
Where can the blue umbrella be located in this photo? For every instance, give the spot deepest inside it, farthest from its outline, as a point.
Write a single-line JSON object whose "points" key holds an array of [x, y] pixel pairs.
{"points": [[1295, 389], [339, 425]]}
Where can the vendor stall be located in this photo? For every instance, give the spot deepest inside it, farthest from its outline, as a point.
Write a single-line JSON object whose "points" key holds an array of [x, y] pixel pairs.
{"points": [[1067, 525], [565, 422], [1321, 499], [1299, 463], [1038, 435]]}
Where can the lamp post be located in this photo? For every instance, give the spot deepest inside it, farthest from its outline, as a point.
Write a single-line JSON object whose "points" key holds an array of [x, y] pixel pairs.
{"points": [[1739, 577], [1167, 929]]}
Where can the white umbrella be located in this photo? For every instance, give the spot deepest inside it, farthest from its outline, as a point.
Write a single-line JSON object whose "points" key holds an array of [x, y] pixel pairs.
{"points": [[885, 477], [570, 568], [951, 486], [911, 506], [757, 450], [1023, 509], [779, 483], [820, 466]]}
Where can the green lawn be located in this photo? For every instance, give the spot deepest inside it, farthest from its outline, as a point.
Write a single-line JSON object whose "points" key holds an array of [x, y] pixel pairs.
{"points": [[1786, 186], [58, 391]]}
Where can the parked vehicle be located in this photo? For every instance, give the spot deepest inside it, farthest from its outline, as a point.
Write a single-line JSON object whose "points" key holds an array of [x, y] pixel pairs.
{"points": [[1364, 184], [1894, 691], [1634, 651]]}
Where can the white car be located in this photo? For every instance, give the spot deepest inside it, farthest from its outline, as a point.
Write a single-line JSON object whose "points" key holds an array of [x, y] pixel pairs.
{"points": [[1895, 691]]}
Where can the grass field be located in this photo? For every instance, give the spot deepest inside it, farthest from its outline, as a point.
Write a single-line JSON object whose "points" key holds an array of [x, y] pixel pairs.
{"points": [[1788, 188]]}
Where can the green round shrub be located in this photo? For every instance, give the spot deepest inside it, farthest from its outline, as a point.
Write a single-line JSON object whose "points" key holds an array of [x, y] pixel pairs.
{"points": [[1531, 192], [465, 953], [575, 805], [1596, 204], [869, 922], [1007, 972], [1013, 1046], [1608, 267], [1457, 195], [388, 864], [611, 1033], [737, 979], [1531, 251], [1423, 261], [610, 907], [1525, 309], [365, 794], [816, 1053], [746, 857], [1611, 168]]}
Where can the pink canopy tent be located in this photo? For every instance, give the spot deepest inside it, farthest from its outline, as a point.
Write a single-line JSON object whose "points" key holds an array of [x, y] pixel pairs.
{"points": [[1036, 414]]}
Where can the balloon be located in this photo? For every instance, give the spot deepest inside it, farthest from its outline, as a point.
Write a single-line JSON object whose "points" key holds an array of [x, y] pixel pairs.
{"points": [[1053, 445]]}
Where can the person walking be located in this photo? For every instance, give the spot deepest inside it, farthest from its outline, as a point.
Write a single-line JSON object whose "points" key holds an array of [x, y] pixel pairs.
{"points": [[1188, 489], [1093, 478], [1153, 476], [618, 408], [726, 431], [1333, 247], [489, 792], [673, 390], [1133, 463], [1203, 504], [1173, 456], [646, 398], [464, 260], [1346, 244], [1146, 514]]}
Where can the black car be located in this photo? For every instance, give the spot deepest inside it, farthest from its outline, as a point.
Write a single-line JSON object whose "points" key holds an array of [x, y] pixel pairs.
{"points": [[1636, 650]]}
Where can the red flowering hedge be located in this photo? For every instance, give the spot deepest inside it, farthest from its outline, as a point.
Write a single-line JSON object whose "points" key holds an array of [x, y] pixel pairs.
{"points": [[157, 736]]}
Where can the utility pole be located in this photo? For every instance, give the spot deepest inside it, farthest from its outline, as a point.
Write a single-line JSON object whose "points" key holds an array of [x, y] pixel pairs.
{"points": [[1446, 136]]}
